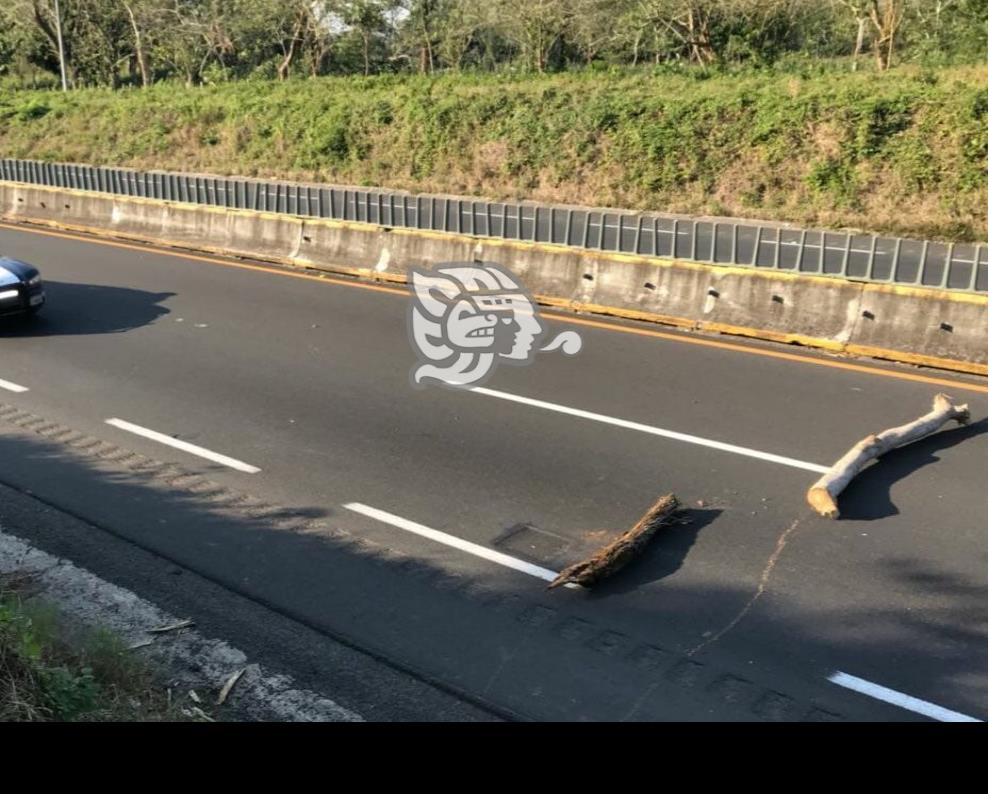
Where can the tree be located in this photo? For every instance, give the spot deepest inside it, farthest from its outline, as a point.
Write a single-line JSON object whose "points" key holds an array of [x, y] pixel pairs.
{"points": [[42, 12], [459, 29], [536, 26], [367, 18], [297, 24], [886, 17], [145, 17], [321, 35], [419, 34], [593, 25], [860, 11]]}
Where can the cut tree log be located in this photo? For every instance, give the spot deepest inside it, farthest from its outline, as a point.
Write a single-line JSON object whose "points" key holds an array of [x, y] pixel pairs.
{"points": [[617, 554], [823, 495]]}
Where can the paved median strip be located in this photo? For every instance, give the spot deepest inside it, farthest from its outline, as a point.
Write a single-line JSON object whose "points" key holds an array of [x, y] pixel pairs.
{"points": [[192, 449], [6, 384], [899, 699], [655, 431]]}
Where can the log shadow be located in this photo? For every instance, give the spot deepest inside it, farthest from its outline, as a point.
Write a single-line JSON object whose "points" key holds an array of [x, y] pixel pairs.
{"points": [[869, 495], [662, 557]]}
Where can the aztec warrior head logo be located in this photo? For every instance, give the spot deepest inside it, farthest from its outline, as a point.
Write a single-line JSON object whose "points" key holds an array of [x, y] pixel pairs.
{"points": [[466, 318]]}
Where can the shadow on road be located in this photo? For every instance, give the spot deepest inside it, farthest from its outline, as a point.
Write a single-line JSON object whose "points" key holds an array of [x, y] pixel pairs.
{"points": [[501, 636], [869, 496], [663, 556], [81, 309]]}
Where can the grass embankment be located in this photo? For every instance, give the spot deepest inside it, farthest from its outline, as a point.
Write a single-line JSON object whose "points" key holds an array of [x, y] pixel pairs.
{"points": [[903, 152], [51, 670]]}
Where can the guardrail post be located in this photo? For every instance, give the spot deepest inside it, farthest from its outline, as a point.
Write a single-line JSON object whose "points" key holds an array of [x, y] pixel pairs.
{"points": [[778, 248], [845, 260], [871, 257], [758, 244], [894, 272], [947, 265], [921, 270]]}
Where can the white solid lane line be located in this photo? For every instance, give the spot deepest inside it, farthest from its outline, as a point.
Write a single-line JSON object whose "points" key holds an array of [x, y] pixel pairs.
{"points": [[6, 384], [453, 541], [233, 463], [899, 699], [655, 431]]}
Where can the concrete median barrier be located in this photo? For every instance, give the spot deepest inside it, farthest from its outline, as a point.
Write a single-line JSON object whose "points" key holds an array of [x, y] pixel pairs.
{"points": [[917, 325]]}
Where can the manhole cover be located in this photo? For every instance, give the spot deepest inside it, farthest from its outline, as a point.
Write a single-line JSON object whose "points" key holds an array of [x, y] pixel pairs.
{"points": [[531, 543]]}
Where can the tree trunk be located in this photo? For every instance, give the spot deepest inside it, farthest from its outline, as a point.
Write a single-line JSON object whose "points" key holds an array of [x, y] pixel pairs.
{"points": [[701, 49], [886, 15], [286, 64], [823, 495], [881, 58], [142, 62], [859, 42], [616, 555], [64, 55], [316, 58]]}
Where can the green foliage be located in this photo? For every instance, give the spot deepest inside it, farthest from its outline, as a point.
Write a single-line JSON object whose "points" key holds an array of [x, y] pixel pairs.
{"points": [[821, 145], [112, 43], [835, 176], [35, 684], [50, 673]]}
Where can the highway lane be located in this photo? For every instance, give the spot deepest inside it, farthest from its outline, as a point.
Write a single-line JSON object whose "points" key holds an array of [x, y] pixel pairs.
{"points": [[309, 383]]}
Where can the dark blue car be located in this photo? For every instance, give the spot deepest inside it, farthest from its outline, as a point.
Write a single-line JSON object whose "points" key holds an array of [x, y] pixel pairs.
{"points": [[21, 288]]}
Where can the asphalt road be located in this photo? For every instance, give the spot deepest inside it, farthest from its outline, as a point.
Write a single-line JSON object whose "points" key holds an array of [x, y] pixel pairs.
{"points": [[744, 613]]}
